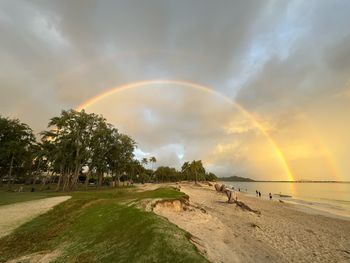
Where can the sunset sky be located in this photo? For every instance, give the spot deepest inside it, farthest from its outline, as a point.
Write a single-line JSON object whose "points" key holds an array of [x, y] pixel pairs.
{"points": [[254, 88]]}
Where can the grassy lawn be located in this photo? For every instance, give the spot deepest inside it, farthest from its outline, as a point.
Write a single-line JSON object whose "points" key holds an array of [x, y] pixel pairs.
{"points": [[9, 197], [99, 226]]}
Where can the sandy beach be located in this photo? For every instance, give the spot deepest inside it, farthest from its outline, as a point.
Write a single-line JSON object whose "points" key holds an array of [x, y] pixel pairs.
{"points": [[281, 232]]}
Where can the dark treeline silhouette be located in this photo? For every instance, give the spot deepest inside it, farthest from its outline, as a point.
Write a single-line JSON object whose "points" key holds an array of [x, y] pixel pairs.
{"points": [[80, 149]]}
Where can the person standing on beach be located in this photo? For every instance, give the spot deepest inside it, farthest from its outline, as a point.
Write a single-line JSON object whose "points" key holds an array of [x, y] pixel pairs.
{"points": [[270, 195], [259, 194]]}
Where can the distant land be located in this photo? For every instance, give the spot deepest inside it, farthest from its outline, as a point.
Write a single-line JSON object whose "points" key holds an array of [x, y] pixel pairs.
{"points": [[235, 178]]}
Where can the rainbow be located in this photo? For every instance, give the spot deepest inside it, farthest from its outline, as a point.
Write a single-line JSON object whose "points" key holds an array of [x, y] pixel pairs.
{"points": [[245, 112]]}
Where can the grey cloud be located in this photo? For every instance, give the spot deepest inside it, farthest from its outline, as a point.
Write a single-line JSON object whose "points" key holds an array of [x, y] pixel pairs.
{"points": [[276, 58]]}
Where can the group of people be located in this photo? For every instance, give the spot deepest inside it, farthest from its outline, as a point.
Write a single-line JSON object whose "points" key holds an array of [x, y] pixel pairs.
{"points": [[258, 193]]}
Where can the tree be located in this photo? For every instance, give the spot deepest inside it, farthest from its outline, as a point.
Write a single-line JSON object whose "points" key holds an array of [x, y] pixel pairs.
{"points": [[81, 140], [144, 161], [166, 174], [210, 177], [193, 170], [152, 160], [71, 133], [196, 167], [121, 153], [101, 144], [16, 148], [185, 170]]}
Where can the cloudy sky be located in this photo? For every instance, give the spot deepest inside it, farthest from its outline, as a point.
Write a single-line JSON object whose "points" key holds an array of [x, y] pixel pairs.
{"points": [[287, 63]]}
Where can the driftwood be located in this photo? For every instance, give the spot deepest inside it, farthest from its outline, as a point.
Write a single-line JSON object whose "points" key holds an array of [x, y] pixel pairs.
{"points": [[222, 188], [232, 200], [229, 195], [217, 187], [245, 207]]}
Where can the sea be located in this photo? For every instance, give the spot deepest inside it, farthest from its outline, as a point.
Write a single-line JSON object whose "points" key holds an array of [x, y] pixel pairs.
{"points": [[331, 199]]}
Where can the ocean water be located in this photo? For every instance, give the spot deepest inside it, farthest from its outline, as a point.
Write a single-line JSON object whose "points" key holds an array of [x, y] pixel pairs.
{"points": [[329, 198]]}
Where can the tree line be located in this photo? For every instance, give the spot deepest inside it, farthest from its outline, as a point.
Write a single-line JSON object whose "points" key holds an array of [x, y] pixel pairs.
{"points": [[80, 148]]}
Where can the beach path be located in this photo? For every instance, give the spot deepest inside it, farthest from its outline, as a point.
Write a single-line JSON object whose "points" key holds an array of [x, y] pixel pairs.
{"points": [[13, 215]]}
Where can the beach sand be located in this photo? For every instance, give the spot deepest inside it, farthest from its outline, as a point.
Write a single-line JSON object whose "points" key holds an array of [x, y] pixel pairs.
{"points": [[224, 232]]}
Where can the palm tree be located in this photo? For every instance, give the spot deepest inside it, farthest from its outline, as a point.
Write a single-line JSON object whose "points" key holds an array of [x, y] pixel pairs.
{"points": [[196, 167], [144, 161], [152, 160], [185, 170]]}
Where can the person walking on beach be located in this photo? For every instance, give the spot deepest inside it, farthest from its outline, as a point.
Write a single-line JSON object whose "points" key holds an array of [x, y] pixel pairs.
{"points": [[259, 194], [270, 195]]}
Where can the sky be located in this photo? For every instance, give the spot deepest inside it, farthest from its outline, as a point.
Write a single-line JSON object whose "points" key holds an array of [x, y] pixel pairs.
{"points": [[279, 72]]}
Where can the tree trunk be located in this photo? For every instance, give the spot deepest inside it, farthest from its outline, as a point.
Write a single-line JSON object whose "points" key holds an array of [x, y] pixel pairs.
{"points": [[43, 183], [117, 179], [87, 180], [75, 175], [36, 172], [100, 179], [52, 179], [66, 177], [60, 178], [10, 172], [46, 179], [77, 167], [59, 183]]}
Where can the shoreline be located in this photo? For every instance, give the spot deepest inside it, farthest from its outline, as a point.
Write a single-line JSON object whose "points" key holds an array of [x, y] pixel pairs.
{"points": [[314, 208], [225, 233], [308, 204]]}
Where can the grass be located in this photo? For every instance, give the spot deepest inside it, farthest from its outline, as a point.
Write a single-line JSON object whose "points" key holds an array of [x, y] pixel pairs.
{"points": [[9, 197], [98, 226]]}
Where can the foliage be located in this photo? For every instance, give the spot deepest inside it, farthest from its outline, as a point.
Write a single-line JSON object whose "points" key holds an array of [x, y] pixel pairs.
{"points": [[17, 146], [81, 148], [167, 174], [78, 140]]}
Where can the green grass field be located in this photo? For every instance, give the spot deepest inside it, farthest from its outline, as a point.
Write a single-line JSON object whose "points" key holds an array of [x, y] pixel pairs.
{"points": [[100, 226]]}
